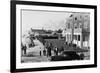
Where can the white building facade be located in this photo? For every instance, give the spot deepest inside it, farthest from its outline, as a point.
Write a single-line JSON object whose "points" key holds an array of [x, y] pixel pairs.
{"points": [[77, 29]]}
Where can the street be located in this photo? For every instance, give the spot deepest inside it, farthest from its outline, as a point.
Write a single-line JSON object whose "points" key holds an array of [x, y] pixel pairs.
{"points": [[35, 59]]}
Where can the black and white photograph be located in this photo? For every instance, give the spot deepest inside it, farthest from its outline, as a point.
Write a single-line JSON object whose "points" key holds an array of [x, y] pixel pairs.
{"points": [[52, 36]]}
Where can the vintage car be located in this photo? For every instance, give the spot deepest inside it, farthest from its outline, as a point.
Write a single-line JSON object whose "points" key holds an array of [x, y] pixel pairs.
{"points": [[66, 55]]}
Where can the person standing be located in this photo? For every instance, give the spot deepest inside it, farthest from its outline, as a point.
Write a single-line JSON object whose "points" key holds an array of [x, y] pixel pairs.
{"points": [[44, 52], [56, 50], [49, 50], [40, 51], [82, 56], [24, 49]]}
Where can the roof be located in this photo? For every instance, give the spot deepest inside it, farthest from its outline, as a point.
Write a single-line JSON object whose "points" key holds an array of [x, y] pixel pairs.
{"points": [[40, 31]]}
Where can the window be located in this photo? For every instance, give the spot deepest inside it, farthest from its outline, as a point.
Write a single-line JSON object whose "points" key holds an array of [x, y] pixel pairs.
{"points": [[86, 24], [75, 37], [75, 18], [67, 36], [75, 25], [78, 37], [80, 25]]}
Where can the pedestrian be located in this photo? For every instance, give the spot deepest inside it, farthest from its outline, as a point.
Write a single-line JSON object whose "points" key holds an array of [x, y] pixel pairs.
{"points": [[82, 56], [49, 50], [24, 49], [44, 52], [40, 51], [56, 50]]}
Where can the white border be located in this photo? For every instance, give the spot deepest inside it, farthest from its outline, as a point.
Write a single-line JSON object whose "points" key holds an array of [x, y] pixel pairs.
{"points": [[20, 65]]}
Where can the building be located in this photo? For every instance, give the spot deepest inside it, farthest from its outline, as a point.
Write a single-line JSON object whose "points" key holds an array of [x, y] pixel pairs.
{"points": [[38, 31], [77, 29]]}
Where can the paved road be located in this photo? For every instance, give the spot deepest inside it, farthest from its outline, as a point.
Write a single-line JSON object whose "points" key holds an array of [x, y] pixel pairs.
{"points": [[33, 53], [35, 59], [38, 46]]}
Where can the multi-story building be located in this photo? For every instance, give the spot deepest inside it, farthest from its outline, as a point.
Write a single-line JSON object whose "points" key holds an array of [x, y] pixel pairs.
{"points": [[77, 29]]}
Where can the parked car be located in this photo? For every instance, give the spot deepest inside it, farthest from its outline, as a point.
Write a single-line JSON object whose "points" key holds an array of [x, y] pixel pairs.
{"points": [[66, 55]]}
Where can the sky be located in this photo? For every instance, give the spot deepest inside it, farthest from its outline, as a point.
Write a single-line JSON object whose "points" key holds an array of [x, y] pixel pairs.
{"points": [[48, 20]]}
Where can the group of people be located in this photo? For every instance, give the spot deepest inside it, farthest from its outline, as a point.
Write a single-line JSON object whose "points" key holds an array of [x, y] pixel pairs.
{"points": [[51, 50], [48, 50]]}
